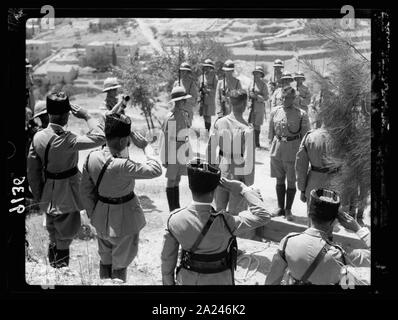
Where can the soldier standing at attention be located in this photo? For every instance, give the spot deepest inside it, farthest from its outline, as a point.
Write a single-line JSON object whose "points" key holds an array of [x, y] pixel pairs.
{"points": [[224, 87], [275, 82], [311, 257], [207, 103], [314, 150], [303, 93], [175, 129], [233, 137], [107, 190], [276, 98], [53, 174], [207, 238], [258, 93], [187, 81], [288, 124]]}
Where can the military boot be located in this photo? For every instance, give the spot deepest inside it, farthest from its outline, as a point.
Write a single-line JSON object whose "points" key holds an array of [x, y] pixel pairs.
{"points": [[52, 253], [105, 271], [280, 194], [290, 193], [176, 197], [62, 259], [171, 198], [119, 274]]}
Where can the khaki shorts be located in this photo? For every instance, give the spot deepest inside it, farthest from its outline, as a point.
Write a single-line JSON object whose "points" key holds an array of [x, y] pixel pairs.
{"points": [[175, 170], [281, 169]]}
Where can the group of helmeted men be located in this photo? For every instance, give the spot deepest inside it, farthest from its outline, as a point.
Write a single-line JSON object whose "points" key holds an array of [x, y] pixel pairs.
{"points": [[201, 236]]}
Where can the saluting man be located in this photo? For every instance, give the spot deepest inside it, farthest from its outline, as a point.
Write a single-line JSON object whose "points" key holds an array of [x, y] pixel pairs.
{"points": [[175, 146], [303, 98], [311, 257], [187, 81], [258, 93], [288, 124], [207, 238], [53, 174], [207, 103], [224, 88], [107, 190], [276, 98]]}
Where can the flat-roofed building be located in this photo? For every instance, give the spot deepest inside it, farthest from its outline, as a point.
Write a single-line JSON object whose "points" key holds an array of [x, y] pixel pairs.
{"points": [[37, 50]]}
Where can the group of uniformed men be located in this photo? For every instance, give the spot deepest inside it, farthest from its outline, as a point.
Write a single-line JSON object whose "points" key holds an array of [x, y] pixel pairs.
{"points": [[206, 235]]}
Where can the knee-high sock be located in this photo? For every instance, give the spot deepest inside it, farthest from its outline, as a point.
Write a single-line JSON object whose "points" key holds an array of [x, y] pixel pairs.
{"points": [[280, 193], [176, 197], [290, 193], [207, 125], [170, 198]]}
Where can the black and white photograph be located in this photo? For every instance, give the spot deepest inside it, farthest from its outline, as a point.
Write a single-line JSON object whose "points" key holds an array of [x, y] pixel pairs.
{"points": [[196, 151]]}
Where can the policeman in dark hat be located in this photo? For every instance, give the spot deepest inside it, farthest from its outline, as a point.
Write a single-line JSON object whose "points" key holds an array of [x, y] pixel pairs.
{"points": [[205, 236], [107, 190], [53, 174], [311, 257]]}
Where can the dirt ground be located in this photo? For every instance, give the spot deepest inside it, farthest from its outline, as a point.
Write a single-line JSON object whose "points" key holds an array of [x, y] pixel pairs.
{"points": [[145, 269]]}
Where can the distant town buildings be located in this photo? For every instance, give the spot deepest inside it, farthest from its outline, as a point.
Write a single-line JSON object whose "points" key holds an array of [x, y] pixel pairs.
{"points": [[104, 50], [37, 50], [61, 73]]}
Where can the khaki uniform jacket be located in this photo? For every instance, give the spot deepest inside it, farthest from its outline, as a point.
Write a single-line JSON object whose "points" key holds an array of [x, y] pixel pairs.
{"points": [[177, 119], [286, 122], [191, 87], [261, 90], [276, 98], [115, 220], [209, 105], [303, 98], [301, 251], [60, 196], [229, 86], [184, 227], [234, 164], [314, 149]]}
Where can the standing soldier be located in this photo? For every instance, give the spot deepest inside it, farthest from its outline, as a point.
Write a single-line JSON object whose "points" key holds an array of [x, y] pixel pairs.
{"points": [[224, 87], [303, 93], [30, 100], [110, 87], [288, 124], [276, 98], [208, 86], [53, 174], [233, 137], [314, 150], [276, 80], [175, 129], [258, 93], [311, 257], [107, 190], [207, 238], [187, 81]]}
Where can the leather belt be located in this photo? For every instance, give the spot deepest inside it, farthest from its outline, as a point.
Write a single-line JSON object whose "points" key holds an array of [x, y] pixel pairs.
{"points": [[323, 169], [119, 200], [205, 263], [291, 138], [222, 154], [61, 175]]}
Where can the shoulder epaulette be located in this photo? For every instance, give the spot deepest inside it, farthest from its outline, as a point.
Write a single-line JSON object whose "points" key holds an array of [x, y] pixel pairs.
{"points": [[290, 235]]}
